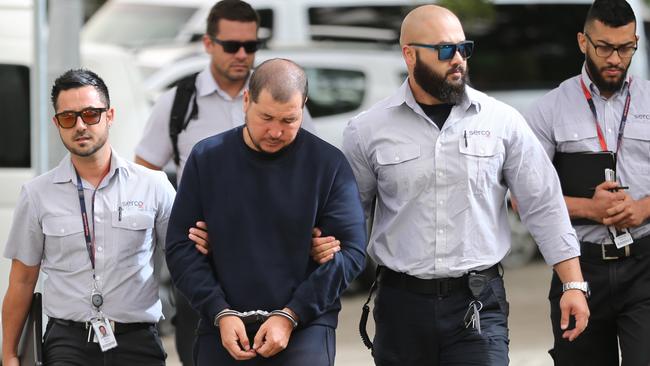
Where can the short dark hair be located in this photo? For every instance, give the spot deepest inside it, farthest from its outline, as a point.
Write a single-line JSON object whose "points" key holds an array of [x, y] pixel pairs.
{"points": [[235, 10], [281, 77], [613, 13], [78, 78]]}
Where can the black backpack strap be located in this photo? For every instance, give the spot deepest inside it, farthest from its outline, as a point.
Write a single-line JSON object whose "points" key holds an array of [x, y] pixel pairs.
{"points": [[185, 89], [366, 311]]}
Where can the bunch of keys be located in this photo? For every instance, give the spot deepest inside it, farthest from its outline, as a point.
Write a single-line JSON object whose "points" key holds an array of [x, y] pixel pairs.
{"points": [[472, 317], [476, 283]]}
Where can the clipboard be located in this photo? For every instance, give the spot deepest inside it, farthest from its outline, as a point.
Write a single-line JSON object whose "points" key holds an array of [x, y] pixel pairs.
{"points": [[30, 347], [580, 172]]}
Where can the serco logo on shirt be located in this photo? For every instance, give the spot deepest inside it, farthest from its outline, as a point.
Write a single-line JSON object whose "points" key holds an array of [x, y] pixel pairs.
{"points": [[642, 116], [133, 203], [485, 133]]}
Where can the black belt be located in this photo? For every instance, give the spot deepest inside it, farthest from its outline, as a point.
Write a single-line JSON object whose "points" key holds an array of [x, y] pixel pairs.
{"points": [[118, 328], [437, 286], [606, 252]]}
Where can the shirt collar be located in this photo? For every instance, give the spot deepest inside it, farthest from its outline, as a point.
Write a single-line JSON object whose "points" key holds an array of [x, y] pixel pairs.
{"points": [[206, 85], [404, 95], [594, 89], [65, 172]]}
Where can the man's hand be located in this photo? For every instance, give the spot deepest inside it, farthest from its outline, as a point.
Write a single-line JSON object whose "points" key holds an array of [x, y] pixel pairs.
{"points": [[273, 336], [199, 235], [234, 338], [628, 213], [573, 302], [603, 200], [323, 249]]}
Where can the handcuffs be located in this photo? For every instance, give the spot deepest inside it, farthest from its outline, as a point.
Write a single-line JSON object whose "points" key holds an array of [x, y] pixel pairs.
{"points": [[254, 316]]}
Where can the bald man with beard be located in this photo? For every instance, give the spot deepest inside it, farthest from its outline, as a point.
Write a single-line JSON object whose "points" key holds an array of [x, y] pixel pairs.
{"points": [[439, 157]]}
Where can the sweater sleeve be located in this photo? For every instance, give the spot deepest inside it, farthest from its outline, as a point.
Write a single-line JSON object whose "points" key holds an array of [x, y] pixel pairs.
{"points": [[341, 216], [191, 271]]}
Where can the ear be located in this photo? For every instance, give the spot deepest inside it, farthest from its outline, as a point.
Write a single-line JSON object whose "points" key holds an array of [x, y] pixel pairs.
{"points": [[110, 115], [56, 124], [408, 53], [247, 99], [582, 42], [207, 43]]}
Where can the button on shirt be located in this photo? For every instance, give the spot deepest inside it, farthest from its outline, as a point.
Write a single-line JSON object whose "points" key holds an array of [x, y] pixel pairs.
{"points": [[563, 122], [131, 209], [218, 112], [441, 208]]}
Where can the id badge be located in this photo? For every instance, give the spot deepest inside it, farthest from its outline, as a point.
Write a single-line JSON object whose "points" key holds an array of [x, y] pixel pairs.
{"points": [[621, 237], [103, 333]]}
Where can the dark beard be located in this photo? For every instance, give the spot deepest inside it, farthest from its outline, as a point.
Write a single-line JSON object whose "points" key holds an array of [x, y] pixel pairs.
{"points": [[603, 85], [436, 85]]}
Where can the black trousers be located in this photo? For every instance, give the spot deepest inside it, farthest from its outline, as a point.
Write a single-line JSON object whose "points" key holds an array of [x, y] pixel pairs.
{"points": [[314, 345], [620, 312], [413, 329], [69, 346]]}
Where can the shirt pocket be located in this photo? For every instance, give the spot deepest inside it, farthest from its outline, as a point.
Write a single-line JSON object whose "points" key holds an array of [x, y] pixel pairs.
{"points": [[65, 243], [482, 162], [402, 172], [635, 151], [134, 237], [577, 138]]}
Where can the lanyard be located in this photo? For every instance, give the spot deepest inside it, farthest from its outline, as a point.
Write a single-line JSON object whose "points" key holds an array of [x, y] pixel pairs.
{"points": [[592, 106], [90, 240]]}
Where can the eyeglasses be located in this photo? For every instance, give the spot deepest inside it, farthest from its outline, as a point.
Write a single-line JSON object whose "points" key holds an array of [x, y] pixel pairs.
{"points": [[607, 50], [90, 116], [448, 51], [234, 46]]}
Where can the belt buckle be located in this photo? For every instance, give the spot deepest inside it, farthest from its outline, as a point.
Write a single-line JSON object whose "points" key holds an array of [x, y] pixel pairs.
{"points": [[607, 258]]}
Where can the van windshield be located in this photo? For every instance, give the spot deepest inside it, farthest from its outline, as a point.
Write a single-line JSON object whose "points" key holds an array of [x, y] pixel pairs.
{"points": [[137, 25]]}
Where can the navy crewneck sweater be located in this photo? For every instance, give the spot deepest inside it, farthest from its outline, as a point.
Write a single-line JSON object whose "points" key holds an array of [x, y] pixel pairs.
{"points": [[260, 210]]}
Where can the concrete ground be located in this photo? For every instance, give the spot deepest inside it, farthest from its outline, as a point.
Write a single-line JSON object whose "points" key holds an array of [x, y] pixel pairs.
{"points": [[530, 332]]}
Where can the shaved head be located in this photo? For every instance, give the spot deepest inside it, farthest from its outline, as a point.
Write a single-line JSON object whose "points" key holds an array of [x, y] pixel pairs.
{"points": [[429, 24], [281, 78]]}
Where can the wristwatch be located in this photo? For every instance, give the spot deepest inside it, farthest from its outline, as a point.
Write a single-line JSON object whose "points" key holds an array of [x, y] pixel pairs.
{"points": [[582, 286]]}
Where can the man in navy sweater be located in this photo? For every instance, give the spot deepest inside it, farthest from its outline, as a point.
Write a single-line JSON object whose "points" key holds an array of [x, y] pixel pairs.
{"points": [[261, 188]]}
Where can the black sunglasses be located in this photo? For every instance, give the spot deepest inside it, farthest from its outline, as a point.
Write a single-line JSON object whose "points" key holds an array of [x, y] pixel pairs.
{"points": [[234, 46], [90, 116], [447, 51]]}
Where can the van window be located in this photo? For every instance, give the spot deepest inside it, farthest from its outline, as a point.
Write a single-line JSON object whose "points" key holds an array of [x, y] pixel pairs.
{"points": [[517, 47], [334, 91], [370, 23], [14, 104], [137, 25]]}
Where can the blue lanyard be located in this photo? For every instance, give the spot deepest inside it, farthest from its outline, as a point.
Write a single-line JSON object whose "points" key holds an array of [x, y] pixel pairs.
{"points": [[90, 244]]}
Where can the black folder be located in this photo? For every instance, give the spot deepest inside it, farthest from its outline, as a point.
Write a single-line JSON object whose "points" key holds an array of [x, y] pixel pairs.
{"points": [[30, 350], [581, 172]]}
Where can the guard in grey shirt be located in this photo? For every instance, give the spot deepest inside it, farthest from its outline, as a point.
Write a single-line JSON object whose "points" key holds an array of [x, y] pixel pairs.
{"points": [[605, 108], [439, 157], [91, 225]]}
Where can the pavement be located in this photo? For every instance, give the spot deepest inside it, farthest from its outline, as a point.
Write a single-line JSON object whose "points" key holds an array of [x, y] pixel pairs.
{"points": [[530, 331]]}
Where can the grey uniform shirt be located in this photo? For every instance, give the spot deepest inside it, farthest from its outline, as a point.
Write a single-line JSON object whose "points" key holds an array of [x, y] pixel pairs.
{"points": [[218, 112], [131, 209], [441, 195], [563, 122]]}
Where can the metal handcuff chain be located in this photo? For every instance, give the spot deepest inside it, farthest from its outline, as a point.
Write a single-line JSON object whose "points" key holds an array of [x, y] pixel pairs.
{"points": [[255, 316]]}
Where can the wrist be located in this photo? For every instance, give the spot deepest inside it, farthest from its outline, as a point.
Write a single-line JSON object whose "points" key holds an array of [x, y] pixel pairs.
{"points": [[287, 314]]}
